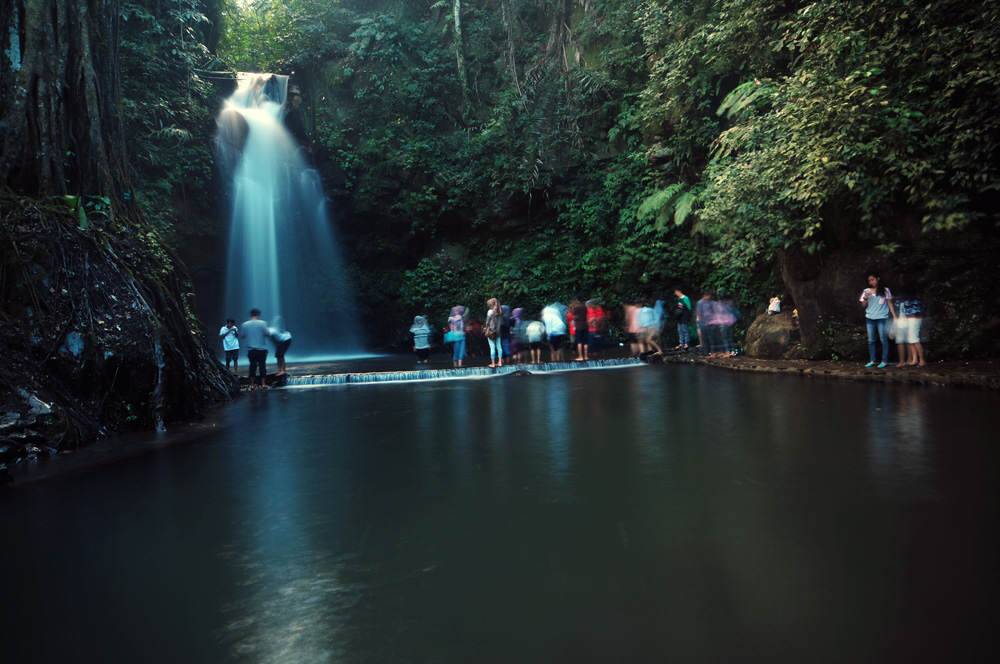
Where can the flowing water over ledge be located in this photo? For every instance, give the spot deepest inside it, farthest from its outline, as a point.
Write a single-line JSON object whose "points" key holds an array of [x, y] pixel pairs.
{"points": [[663, 514], [457, 374]]}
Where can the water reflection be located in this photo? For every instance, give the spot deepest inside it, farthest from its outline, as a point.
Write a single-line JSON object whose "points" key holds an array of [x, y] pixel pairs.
{"points": [[897, 434], [623, 515]]}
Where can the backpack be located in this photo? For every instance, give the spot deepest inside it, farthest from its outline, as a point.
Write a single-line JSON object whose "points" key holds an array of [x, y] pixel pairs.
{"points": [[492, 327]]}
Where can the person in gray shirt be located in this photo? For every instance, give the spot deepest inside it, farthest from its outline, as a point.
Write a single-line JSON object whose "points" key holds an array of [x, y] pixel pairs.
{"points": [[254, 334]]}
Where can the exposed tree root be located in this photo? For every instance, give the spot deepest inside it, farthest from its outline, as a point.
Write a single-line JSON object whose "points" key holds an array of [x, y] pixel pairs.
{"points": [[96, 330]]}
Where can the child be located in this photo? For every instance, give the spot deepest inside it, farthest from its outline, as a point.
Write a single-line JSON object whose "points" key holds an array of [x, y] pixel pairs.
{"points": [[231, 343], [421, 332]]}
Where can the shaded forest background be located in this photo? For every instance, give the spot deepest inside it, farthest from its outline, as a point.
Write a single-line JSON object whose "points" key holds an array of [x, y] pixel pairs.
{"points": [[543, 149]]}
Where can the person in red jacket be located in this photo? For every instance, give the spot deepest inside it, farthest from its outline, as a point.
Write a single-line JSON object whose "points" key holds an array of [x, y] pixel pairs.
{"points": [[597, 325]]}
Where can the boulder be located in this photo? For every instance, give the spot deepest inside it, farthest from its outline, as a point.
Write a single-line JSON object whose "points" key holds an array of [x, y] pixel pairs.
{"points": [[771, 335]]}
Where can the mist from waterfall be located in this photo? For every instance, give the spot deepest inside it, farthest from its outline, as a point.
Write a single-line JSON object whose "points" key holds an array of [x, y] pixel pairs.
{"points": [[283, 255]]}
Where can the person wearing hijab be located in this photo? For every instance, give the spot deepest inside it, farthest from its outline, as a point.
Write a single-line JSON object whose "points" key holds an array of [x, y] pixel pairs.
{"points": [[494, 318], [421, 332], [518, 339]]}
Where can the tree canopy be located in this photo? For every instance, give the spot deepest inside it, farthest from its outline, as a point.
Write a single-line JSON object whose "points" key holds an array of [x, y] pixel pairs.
{"points": [[546, 148]]}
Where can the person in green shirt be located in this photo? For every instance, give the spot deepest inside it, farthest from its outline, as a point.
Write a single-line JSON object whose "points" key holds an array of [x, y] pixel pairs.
{"points": [[682, 312]]}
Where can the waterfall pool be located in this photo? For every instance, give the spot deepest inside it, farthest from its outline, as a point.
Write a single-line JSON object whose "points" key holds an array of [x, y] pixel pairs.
{"points": [[648, 514]]}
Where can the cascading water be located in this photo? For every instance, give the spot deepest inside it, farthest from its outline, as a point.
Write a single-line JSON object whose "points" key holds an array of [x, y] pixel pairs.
{"points": [[283, 257]]}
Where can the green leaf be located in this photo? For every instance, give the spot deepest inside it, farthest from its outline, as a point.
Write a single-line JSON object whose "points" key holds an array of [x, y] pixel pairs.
{"points": [[683, 208]]}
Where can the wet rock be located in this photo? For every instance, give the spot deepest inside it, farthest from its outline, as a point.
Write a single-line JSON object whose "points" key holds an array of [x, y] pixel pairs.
{"points": [[771, 335], [73, 344], [9, 420], [35, 405]]}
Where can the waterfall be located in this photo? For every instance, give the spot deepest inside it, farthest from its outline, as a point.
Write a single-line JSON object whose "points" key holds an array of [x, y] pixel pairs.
{"points": [[283, 255], [457, 374]]}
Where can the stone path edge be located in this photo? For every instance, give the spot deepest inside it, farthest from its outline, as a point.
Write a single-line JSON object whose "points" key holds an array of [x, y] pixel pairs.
{"points": [[956, 373]]}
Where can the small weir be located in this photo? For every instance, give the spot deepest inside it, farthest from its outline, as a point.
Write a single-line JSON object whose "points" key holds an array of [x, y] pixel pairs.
{"points": [[457, 374]]}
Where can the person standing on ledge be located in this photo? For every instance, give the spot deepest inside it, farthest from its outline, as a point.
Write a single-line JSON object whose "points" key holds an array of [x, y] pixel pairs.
{"points": [[254, 333], [231, 343], [682, 312], [578, 320], [421, 332], [877, 302], [494, 319]]}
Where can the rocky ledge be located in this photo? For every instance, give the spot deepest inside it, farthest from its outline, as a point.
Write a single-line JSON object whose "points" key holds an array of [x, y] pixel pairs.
{"points": [[982, 374]]}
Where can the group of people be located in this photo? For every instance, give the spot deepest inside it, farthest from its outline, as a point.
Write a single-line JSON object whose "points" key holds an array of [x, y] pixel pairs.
{"points": [[255, 333], [511, 336], [907, 315], [716, 318], [582, 326]]}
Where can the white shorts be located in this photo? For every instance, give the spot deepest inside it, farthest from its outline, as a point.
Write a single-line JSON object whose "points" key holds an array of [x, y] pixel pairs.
{"points": [[910, 330]]}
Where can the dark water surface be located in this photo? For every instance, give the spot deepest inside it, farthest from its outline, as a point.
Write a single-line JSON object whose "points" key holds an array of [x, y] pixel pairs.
{"points": [[650, 514]]}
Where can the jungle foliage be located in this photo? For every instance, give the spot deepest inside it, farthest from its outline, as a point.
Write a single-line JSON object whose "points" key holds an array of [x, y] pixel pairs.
{"points": [[540, 149], [168, 109]]}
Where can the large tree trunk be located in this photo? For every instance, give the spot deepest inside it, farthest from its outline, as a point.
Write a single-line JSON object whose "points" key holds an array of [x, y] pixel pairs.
{"points": [[97, 323], [463, 77], [511, 56], [59, 91], [825, 288]]}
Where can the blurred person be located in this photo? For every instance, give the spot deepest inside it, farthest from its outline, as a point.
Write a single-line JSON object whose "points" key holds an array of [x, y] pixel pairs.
{"points": [[231, 343], [727, 317], [633, 330], [682, 314], [649, 328], [254, 333], [421, 332], [534, 334], [518, 339], [494, 319], [505, 326], [704, 315], [577, 319], [597, 325], [475, 340], [911, 310], [555, 329], [659, 313], [878, 306], [715, 320], [282, 339], [774, 306], [456, 335]]}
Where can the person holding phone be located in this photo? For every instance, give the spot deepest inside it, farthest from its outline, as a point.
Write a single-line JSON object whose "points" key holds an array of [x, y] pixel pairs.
{"points": [[231, 343], [878, 306]]}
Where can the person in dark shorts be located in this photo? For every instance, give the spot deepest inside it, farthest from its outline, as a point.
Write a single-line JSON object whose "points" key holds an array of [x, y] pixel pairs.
{"points": [[578, 311], [282, 339], [231, 343], [254, 333], [421, 332]]}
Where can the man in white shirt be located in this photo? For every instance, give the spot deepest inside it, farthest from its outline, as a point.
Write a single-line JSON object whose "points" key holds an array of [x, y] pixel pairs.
{"points": [[254, 332], [231, 343]]}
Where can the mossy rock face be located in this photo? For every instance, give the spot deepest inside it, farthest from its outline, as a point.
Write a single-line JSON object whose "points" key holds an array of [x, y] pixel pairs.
{"points": [[771, 335], [97, 328]]}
